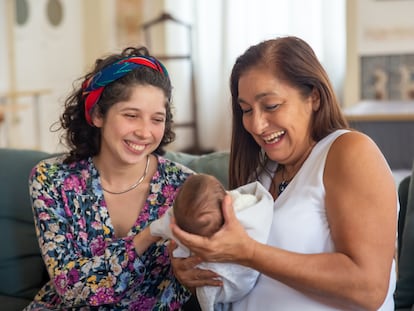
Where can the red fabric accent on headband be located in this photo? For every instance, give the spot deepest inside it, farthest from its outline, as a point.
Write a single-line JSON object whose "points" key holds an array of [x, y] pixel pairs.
{"points": [[91, 99], [142, 61]]}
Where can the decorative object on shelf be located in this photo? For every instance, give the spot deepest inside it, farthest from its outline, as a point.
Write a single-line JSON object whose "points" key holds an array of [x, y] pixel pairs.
{"points": [[387, 77]]}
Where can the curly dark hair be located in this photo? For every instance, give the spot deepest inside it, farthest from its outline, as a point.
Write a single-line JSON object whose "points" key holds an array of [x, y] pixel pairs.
{"points": [[84, 140]]}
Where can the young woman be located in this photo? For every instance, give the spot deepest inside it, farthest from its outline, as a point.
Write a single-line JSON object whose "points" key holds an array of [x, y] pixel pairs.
{"points": [[92, 206]]}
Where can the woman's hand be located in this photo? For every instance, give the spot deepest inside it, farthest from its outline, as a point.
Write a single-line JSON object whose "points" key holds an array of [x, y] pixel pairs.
{"points": [[230, 244], [188, 274]]}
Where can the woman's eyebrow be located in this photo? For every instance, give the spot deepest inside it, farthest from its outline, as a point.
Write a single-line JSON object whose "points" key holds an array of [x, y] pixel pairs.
{"points": [[258, 96]]}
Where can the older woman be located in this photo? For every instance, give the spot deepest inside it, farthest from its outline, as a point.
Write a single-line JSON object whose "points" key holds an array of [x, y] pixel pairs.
{"points": [[331, 245]]}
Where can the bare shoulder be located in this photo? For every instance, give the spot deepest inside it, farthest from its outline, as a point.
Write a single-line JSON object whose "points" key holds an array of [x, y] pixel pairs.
{"points": [[352, 148], [353, 157], [353, 142]]}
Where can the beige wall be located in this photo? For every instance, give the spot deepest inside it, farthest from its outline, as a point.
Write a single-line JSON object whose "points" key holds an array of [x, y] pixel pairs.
{"points": [[99, 29], [351, 87], [39, 58]]}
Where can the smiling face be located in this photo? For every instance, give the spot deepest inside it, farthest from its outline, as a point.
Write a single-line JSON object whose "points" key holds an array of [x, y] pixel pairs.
{"points": [[133, 128], [276, 115]]}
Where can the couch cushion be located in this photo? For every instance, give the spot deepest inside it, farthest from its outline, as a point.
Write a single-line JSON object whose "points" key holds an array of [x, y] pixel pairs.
{"points": [[215, 163], [12, 303], [22, 271]]}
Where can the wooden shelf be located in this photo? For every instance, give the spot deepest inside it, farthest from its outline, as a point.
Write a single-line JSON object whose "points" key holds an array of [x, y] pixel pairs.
{"points": [[27, 93], [381, 111]]}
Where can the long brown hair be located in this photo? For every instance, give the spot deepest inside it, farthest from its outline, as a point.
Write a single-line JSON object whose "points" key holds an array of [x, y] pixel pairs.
{"points": [[294, 62]]}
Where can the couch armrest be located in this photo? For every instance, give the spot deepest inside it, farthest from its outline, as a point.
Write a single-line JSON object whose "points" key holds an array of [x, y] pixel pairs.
{"points": [[22, 271], [404, 293]]}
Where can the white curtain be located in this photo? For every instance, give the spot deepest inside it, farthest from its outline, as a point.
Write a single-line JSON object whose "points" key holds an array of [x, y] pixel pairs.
{"points": [[223, 29]]}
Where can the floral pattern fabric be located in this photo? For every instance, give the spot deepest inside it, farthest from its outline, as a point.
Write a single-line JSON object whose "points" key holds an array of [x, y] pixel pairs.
{"points": [[90, 268]]}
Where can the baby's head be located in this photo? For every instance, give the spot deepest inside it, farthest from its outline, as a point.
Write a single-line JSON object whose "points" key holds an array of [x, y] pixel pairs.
{"points": [[197, 207]]}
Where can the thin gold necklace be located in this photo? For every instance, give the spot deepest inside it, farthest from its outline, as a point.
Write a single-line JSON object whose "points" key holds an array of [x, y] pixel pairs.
{"points": [[134, 185]]}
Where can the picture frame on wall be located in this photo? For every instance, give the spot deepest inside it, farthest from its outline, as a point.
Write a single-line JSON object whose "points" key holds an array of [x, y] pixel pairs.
{"points": [[387, 77]]}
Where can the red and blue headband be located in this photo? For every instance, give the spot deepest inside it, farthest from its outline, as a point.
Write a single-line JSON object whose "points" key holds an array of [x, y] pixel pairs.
{"points": [[94, 86]]}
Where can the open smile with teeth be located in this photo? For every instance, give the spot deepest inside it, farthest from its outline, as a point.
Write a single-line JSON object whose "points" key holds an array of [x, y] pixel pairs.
{"points": [[274, 137], [135, 146]]}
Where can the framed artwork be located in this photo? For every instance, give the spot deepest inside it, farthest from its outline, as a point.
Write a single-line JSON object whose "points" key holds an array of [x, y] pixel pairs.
{"points": [[386, 49], [387, 77]]}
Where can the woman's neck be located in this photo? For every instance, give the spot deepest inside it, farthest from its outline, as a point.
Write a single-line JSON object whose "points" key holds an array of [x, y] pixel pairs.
{"points": [[112, 173], [289, 170]]}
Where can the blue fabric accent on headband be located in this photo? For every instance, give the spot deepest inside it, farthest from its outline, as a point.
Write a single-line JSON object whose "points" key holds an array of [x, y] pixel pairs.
{"points": [[120, 68]]}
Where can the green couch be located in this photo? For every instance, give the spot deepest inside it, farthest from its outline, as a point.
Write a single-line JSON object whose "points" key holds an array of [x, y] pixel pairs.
{"points": [[22, 272], [404, 293]]}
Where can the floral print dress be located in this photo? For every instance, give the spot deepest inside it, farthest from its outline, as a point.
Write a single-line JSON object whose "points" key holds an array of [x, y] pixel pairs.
{"points": [[90, 268]]}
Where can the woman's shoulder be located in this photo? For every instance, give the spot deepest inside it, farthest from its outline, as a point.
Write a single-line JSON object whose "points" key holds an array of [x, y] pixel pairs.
{"points": [[56, 165], [48, 163], [352, 142], [170, 173], [354, 150], [173, 166]]}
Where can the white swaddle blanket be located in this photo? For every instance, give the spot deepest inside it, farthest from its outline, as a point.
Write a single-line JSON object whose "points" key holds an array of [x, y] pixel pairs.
{"points": [[253, 205]]}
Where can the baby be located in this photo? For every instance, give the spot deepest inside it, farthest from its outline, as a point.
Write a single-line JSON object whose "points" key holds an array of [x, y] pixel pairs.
{"points": [[197, 209]]}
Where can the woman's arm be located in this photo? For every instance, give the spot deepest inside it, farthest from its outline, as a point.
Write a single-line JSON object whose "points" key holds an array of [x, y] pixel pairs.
{"points": [[143, 240], [361, 208]]}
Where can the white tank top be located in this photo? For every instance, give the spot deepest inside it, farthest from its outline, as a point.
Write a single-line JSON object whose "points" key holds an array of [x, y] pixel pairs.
{"points": [[300, 225]]}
